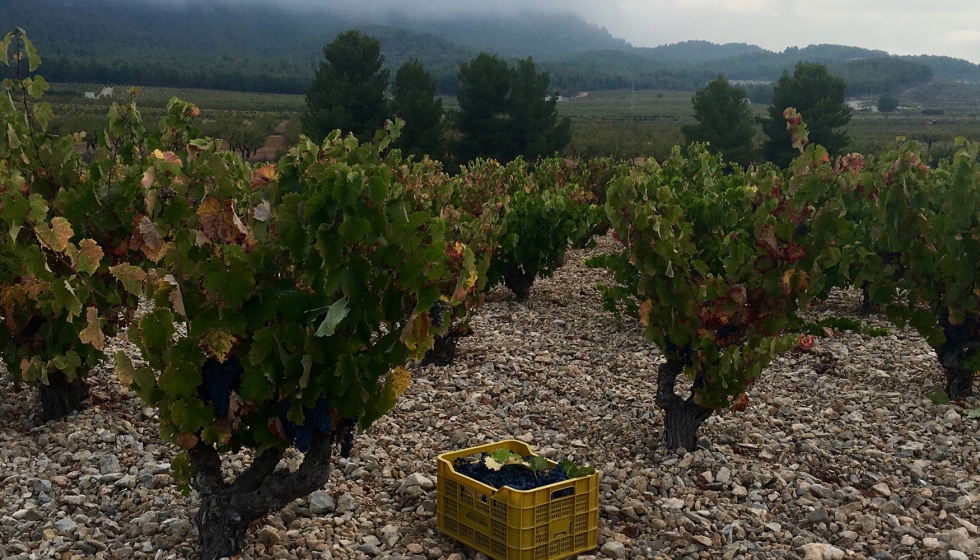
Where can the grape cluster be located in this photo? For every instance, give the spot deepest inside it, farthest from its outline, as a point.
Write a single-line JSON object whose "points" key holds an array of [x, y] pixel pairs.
{"points": [[219, 380], [317, 419], [512, 476], [438, 312], [167, 194]]}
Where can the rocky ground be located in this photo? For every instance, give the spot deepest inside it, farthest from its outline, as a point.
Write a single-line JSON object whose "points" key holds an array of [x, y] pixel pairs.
{"points": [[840, 453]]}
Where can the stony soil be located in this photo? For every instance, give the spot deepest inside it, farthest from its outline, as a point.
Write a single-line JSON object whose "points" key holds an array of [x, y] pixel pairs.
{"points": [[839, 454]]}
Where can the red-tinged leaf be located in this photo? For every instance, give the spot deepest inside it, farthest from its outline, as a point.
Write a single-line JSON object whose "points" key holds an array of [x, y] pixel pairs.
{"points": [[187, 440], [263, 176], [220, 223], [740, 403]]}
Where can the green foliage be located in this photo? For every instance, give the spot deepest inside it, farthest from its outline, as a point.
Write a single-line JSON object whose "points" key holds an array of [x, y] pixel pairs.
{"points": [[415, 103], [539, 226], [725, 261], [571, 470], [927, 239], [57, 298], [821, 327], [887, 103], [317, 274], [506, 113], [535, 128], [724, 121], [348, 90], [819, 98], [882, 75], [483, 97]]}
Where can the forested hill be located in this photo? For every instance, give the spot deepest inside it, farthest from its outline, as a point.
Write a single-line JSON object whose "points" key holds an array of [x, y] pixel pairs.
{"points": [[253, 47]]}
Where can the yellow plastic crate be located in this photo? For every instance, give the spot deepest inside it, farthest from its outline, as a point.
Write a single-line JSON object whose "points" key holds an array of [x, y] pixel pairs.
{"points": [[509, 524]]}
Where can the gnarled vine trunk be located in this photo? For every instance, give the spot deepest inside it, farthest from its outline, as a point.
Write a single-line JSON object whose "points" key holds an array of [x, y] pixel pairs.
{"points": [[519, 282], [60, 397], [443, 349], [228, 509], [682, 417], [959, 378]]}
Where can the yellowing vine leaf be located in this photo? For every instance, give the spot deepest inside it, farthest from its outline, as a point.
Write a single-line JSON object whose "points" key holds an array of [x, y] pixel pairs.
{"points": [[218, 344], [148, 177], [263, 176], [219, 221], [132, 277], [399, 379], [92, 334], [56, 237], [147, 239], [125, 369], [169, 283], [87, 257], [645, 309]]}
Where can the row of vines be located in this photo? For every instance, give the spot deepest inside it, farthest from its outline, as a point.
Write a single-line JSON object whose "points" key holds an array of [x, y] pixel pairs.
{"points": [[278, 305]]}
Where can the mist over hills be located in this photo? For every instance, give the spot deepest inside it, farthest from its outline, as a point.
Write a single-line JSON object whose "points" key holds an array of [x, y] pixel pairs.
{"points": [[255, 47]]}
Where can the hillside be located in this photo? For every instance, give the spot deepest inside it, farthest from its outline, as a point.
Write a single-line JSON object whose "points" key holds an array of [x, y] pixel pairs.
{"points": [[269, 49]]}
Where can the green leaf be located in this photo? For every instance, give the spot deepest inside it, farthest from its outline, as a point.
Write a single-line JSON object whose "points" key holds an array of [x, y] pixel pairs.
{"points": [[32, 57], [180, 379], [973, 413], [335, 315], [5, 46], [38, 87], [939, 398], [538, 463], [157, 328]]}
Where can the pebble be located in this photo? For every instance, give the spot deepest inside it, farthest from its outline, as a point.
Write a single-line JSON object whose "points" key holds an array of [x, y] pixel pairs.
{"points": [[613, 549]]}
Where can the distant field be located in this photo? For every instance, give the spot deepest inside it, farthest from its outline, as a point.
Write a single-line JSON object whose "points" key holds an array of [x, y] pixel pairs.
{"points": [[158, 97], [623, 124]]}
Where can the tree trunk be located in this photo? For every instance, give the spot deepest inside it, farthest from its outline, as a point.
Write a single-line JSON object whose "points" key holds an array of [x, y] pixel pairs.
{"points": [[228, 509], [520, 283], [867, 306], [443, 350], [959, 378], [682, 417], [962, 344], [59, 398]]}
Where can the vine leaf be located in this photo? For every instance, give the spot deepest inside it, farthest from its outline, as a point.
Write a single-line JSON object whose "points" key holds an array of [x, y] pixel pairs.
{"points": [[132, 277], [218, 344], [56, 237], [335, 314], [92, 334]]}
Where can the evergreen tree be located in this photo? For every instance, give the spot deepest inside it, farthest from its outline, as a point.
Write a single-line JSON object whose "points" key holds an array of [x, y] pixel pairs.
{"points": [[484, 104], [887, 103], [534, 125], [819, 98], [415, 102], [505, 113], [348, 91], [724, 121]]}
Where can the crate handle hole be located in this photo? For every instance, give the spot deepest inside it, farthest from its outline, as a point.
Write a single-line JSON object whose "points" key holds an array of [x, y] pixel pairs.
{"points": [[562, 493]]}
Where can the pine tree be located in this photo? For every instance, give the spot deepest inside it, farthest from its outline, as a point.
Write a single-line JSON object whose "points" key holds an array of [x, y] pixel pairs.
{"points": [[348, 90], [819, 98], [415, 102], [724, 121]]}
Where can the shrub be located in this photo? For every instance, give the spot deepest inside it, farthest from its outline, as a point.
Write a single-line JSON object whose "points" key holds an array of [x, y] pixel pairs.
{"points": [[724, 263], [302, 288], [927, 237]]}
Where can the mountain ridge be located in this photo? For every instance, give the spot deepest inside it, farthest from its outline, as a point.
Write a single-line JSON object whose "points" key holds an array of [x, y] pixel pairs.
{"points": [[261, 48]]}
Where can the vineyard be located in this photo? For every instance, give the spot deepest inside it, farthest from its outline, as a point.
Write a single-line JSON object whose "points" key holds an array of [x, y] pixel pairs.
{"points": [[208, 358]]}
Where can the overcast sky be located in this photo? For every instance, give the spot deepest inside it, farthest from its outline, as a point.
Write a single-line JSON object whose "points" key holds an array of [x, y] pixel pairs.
{"points": [[942, 27]]}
